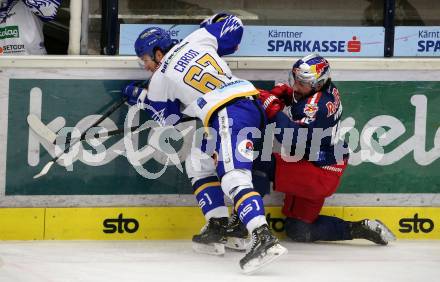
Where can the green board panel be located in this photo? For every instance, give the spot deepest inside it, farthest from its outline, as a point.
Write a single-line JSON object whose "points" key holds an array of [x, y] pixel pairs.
{"points": [[75, 99], [369, 100]]}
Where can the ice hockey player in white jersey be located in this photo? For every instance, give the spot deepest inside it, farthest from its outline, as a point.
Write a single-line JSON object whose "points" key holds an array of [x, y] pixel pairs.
{"points": [[21, 27], [192, 79]]}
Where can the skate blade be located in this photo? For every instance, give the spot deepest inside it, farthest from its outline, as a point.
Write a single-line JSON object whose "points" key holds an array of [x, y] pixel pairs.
{"points": [[238, 244], [215, 249], [272, 254], [386, 234]]}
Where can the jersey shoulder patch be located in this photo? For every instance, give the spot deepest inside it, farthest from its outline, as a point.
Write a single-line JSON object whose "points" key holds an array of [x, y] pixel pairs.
{"points": [[311, 107]]}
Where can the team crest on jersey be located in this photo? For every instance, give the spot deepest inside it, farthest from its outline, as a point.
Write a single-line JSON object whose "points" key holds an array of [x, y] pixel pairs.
{"points": [[310, 110], [246, 149], [159, 116]]}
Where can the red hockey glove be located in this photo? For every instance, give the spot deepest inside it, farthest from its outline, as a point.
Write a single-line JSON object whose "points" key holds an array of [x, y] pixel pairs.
{"points": [[271, 104], [284, 92]]}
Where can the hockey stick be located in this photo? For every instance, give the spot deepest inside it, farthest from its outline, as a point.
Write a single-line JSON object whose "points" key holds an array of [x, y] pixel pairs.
{"points": [[46, 168], [51, 137], [41, 129]]}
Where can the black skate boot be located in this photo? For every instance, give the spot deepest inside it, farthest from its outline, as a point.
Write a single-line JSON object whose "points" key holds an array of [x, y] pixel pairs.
{"points": [[265, 249], [372, 230], [237, 234], [212, 238]]}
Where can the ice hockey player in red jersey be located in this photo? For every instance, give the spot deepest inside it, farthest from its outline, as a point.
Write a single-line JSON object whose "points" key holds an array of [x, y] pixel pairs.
{"points": [[308, 112]]}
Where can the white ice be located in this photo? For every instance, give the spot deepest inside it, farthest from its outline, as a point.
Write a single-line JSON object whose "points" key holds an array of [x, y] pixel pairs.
{"points": [[354, 261]]}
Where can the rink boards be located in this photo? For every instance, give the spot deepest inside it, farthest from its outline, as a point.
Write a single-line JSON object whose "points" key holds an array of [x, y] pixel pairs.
{"points": [[400, 186], [397, 165], [171, 223]]}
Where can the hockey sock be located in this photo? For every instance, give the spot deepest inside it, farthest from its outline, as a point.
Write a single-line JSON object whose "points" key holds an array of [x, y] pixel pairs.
{"points": [[325, 228], [250, 208], [210, 198]]}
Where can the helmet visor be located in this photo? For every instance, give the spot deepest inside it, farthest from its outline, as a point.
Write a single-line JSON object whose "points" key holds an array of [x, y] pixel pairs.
{"points": [[296, 77]]}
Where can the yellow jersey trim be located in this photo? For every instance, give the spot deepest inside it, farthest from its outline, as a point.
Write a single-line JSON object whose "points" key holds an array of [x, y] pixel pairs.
{"points": [[206, 185], [248, 195], [218, 105]]}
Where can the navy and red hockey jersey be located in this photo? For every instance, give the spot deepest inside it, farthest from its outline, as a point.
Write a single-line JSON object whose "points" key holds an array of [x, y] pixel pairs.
{"points": [[312, 126]]}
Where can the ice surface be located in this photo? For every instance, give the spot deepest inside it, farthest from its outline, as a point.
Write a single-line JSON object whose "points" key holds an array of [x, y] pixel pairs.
{"points": [[354, 261]]}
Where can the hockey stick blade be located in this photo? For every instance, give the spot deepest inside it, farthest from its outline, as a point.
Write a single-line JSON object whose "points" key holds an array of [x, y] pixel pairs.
{"points": [[45, 170], [52, 137], [41, 129], [115, 106]]}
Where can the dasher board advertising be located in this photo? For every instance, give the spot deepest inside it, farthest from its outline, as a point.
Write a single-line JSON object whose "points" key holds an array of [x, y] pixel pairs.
{"points": [[412, 41], [281, 41]]}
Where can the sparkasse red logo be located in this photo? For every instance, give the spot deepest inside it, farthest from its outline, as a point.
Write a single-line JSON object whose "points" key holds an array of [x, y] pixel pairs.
{"points": [[354, 45]]}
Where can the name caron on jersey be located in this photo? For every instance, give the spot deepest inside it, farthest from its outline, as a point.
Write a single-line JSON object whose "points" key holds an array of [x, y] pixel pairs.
{"points": [[171, 57], [184, 61]]}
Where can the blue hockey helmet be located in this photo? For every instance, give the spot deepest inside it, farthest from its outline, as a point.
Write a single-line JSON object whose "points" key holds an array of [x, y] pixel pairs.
{"points": [[152, 39], [312, 69], [227, 29]]}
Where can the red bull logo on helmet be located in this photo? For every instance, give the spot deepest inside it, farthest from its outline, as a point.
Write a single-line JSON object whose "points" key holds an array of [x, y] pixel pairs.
{"points": [[319, 68]]}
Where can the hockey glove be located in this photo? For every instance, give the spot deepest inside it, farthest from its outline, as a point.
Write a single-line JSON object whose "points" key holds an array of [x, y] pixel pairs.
{"points": [[133, 91], [284, 92], [271, 104]]}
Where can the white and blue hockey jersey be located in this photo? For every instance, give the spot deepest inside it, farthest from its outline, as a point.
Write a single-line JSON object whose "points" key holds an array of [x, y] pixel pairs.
{"points": [[192, 79]]}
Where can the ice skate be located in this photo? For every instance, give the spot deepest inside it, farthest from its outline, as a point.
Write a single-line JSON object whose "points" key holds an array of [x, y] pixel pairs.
{"points": [[237, 234], [372, 230], [211, 239], [265, 249]]}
